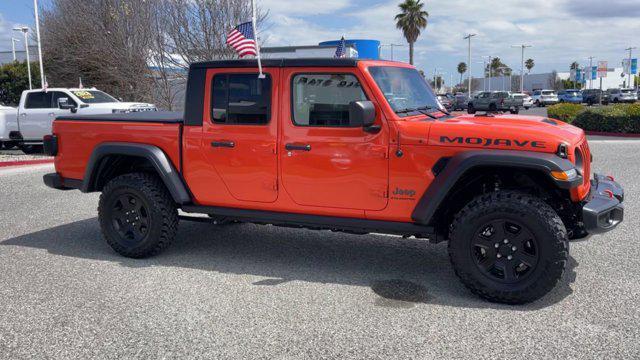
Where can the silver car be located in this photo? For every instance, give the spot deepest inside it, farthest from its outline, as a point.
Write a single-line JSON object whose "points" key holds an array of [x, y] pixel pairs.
{"points": [[545, 97]]}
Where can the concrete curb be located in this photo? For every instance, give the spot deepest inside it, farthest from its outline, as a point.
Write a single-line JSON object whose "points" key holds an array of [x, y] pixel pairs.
{"points": [[25, 162], [622, 135]]}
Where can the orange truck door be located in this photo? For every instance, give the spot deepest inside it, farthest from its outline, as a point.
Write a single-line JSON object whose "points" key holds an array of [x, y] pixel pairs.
{"points": [[239, 133], [325, 161]]}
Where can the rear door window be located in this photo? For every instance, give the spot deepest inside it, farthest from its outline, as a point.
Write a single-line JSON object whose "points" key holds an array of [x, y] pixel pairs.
{"points": [[38, 100], [241, 99]]}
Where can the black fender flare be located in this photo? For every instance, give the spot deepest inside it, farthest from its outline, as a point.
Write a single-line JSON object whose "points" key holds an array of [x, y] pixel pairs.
{"points": [[459, 164], [158, 159]]}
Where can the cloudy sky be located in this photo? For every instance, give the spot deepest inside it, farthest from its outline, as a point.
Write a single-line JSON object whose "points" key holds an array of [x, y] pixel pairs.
{"points": [[561, 31]]}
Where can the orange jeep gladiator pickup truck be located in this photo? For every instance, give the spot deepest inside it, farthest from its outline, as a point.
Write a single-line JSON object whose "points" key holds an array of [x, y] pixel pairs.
{"points": [[346, 145]]}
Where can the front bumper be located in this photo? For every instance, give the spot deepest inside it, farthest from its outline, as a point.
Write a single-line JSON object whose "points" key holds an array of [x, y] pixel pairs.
{"points": [[605, 210], [55, 181]]}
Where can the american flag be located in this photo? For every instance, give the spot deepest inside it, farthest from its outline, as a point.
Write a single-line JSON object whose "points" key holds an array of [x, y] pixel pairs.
{"points": [[340, 51], [242, 39]]}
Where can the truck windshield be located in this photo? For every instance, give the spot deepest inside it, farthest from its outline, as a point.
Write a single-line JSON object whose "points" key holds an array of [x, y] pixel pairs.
{"points": [[405, 89], [94, 96]]}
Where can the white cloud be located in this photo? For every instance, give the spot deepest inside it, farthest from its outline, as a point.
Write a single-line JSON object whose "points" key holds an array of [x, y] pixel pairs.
{"points": [[302, 7], [560, 31]]}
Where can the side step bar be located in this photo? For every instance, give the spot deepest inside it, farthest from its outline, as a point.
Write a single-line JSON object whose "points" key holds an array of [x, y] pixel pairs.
{"points": [[350, 225]]}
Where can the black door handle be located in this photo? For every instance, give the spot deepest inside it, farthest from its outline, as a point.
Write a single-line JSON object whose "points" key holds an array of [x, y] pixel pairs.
{"points": [[301, 147], [227, 144]]}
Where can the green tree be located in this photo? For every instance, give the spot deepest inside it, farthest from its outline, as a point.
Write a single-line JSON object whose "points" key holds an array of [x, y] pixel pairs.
{"points": [[574, 66], [411, 21], [14, 79], [497, 68], [529, 64], [462, 68]]}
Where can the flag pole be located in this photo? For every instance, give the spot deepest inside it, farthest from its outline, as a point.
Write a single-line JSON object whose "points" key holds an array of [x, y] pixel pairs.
{"points": [[255, 33]]}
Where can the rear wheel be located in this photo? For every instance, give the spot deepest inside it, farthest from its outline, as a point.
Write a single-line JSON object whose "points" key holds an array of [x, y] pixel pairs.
{"points": [[508, 247], [514, 110], [137, 215], [32, 149]]}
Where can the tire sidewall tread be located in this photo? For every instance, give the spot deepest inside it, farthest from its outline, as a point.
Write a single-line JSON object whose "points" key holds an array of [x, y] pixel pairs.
{"points": [[162, 209], [541, 220]]}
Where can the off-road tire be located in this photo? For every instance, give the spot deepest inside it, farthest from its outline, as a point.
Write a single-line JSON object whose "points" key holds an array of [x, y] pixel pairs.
{"points": [[541, 221], [161, 212]]}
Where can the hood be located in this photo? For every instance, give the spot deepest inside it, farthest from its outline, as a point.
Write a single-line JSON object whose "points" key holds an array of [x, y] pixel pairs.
{"points": [[507, 132], [121, 105]]}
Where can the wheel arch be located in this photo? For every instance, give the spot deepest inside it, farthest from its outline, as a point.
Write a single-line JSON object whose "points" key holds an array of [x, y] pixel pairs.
{"points": [[464, 171], [112, 159]]}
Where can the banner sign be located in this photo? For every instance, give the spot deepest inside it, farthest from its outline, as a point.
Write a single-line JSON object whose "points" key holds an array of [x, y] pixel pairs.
{"points": [[630, 68], [594, 73], [602, 69]]}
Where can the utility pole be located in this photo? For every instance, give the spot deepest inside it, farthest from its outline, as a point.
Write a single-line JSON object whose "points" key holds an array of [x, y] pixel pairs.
{"points": [[489, 57], [522, 46], [484, 75], [35, 9], [13, 47], [391, 46], [630, 49], [468, 37], [590, 72], [25, 32]]}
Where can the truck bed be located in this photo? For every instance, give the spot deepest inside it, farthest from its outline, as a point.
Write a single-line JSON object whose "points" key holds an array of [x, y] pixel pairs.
{"points": [[79, 135], [168, 117]]}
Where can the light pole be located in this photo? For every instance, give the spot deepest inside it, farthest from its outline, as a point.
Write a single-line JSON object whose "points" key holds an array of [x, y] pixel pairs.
{"points": [[391, 46], [25, 32], [523, 46], [484, 74], [13, 47], [42, 78], [630, 49], [489, 58], [468, 37]]}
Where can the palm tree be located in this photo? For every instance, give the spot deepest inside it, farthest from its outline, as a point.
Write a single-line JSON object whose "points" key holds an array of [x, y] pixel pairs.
{"points": [[574, 65], [411, 21], [462, 68], [529, 64]]}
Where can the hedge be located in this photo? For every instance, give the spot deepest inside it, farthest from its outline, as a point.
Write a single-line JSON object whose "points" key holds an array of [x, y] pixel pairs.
{"points": [[564, 112], [618, 118]]}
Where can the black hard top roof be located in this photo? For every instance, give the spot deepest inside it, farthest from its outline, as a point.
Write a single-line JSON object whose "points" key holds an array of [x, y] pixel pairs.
{"points": [[301, 62]]}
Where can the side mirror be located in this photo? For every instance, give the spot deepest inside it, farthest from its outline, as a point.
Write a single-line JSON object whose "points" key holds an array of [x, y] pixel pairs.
{"points": [[64, 104], [362, 113]]}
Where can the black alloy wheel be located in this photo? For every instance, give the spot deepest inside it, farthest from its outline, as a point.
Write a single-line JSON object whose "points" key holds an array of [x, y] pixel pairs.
{"points": [[505, 251], [130, 217]]}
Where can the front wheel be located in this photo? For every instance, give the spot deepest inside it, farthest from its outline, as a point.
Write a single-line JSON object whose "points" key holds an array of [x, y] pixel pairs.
{"points": [[514, 110], [137, 215], [471, 109], [508, 247]]}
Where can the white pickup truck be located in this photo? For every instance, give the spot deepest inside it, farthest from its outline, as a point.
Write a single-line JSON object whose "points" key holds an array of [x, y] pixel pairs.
{"points": [[25, 126]]}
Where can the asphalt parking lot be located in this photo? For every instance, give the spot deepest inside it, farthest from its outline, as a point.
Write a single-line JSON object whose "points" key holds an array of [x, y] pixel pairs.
{"points": [[251, 291]]}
